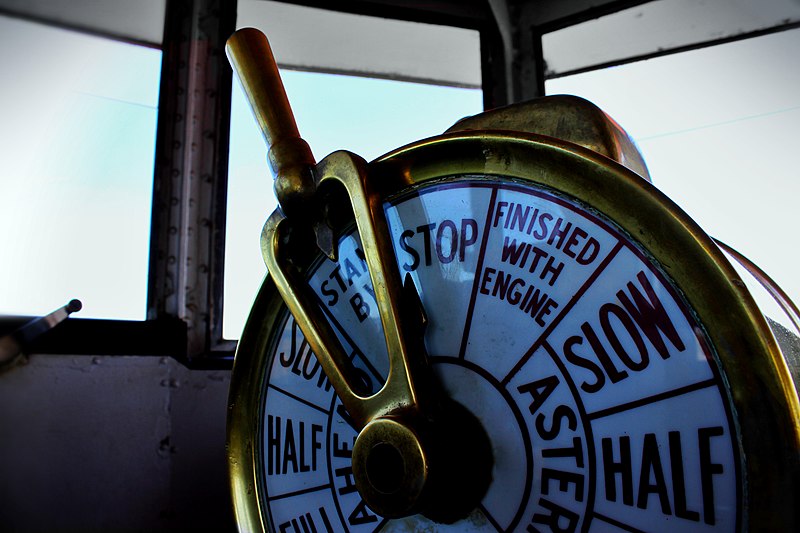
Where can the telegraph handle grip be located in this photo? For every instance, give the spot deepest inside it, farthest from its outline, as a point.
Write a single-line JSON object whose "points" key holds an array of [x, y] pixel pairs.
{"points": [[289, 155]]}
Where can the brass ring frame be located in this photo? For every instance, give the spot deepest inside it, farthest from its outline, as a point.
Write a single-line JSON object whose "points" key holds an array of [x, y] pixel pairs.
{"points": [[763, 396]]}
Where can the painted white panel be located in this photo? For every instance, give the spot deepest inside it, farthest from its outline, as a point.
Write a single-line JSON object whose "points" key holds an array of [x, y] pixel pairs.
{"points": [[142, 20], [316, 39], [659, 26]]}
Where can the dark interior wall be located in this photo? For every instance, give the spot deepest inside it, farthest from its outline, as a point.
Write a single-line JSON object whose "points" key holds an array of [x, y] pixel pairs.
{"points": [[98, 443]]}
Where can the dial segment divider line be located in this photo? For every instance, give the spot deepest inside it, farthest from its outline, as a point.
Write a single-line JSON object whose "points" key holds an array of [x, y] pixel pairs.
{"points": [[298, 492], [478, 268], [356, 348], [299, 399], [541, 339], [381, 525], [490, 518], [616, 523], [666, 395]]}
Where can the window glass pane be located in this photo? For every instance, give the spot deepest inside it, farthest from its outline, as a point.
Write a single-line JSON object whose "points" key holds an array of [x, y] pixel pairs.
{"points": [[77, 143], [719, 128], [364, 115]]}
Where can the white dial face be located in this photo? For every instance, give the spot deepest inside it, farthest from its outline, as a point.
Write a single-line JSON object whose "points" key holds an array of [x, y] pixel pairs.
{"points": [[604, 405]]}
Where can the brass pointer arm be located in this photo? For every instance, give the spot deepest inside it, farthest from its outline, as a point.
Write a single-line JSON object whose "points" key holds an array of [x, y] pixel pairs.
{"points": [[297, 180], [413, 444]]}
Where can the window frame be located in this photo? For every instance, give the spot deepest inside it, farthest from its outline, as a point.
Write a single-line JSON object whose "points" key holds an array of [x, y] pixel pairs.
{"points": [[189, 180], [187, 244]]}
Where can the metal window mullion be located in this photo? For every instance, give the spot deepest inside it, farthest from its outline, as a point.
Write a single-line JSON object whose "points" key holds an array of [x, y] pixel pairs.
{"points": [[188, 203]]}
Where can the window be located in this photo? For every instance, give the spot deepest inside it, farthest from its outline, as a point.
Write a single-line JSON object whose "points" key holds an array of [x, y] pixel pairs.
{"points": [[719, 128], [76, 170]]}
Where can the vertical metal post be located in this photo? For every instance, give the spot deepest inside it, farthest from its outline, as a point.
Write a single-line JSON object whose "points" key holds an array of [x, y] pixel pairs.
{"points": [[529, 66], [188, 221]]}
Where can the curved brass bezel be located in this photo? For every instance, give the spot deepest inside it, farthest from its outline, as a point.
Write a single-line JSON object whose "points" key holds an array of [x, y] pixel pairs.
{"points": [[763, 396]]}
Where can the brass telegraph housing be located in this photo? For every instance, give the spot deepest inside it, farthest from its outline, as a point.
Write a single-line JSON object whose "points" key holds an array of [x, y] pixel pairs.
{"points": [[404, 461]]}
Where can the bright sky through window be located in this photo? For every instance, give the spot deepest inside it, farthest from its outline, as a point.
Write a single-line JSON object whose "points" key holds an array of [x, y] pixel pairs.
{"points": [[364, 115], [77, 141], [719, 128]]}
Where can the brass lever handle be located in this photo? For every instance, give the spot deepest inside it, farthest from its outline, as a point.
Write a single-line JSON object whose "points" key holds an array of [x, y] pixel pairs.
{"points": [[296, 183], [400, 390], [289, 155], [407, 423], [254, 63], [394, 421]]}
